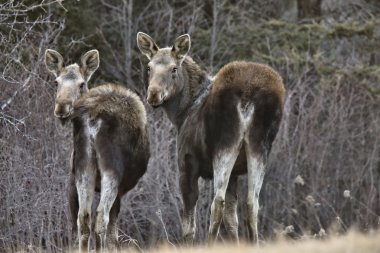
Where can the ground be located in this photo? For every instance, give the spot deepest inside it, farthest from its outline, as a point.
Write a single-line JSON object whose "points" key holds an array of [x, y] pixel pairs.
{"points": [[351, 243]]}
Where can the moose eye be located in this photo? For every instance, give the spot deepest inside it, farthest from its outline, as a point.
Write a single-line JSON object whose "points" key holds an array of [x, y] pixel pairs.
{"points": [[174, 70], [81, 86]]}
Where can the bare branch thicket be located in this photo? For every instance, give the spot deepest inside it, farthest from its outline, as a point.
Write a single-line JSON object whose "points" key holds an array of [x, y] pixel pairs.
{"points": [[32, 214]]}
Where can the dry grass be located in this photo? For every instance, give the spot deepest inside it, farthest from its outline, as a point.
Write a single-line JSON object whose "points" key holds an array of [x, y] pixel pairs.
{"points": [[353, 242]]}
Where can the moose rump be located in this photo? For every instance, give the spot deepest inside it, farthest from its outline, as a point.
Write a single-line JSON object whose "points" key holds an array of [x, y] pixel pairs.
{"points": [[242, 115], [111, 152]]}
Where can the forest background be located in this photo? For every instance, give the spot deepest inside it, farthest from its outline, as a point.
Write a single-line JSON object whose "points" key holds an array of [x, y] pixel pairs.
{"points": [[324, 170]]}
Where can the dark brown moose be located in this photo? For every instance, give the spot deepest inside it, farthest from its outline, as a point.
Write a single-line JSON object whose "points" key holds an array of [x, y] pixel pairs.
{"points": [[226, 126], [111, 146]]}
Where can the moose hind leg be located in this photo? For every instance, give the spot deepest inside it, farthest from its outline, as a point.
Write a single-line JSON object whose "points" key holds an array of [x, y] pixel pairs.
{"points": [[189, 190], [223, 164], [108, 195], [230, 217], [256, 171], [112, 233]]}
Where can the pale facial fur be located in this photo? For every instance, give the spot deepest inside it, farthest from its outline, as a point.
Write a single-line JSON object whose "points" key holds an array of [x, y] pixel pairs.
{"points": [[71, 81]]}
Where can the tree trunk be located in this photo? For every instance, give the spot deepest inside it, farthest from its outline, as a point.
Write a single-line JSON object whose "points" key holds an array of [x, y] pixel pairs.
{"points": [[309, 8]]}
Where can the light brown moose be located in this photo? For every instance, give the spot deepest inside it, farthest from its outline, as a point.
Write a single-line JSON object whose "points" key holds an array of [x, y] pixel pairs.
{"points": [[111, 146], [226, 126]]}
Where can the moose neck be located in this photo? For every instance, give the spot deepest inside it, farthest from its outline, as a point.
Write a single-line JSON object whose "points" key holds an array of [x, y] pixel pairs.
{"points": [[195, 90], [77, 124]]}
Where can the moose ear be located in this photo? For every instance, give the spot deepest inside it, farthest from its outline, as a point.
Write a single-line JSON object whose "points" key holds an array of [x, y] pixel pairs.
{"points": [[181, 46], [53, 61], [89, 63], [146, 45]]}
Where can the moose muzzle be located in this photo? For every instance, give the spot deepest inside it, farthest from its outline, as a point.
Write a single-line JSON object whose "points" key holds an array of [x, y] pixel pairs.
{"points": [[156, 96], [63, 110]]}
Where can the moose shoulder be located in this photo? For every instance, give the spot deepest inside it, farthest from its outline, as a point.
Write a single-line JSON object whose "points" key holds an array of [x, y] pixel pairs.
{"points": [[226, 127]]}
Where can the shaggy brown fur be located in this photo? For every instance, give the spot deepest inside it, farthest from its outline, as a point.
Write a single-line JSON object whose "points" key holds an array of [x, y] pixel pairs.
{"points": [[112, 100], [124, 125], [249, 77]]}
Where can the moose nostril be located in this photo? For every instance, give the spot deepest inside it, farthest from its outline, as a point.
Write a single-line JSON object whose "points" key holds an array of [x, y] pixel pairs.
{"points": [[62, 110], [154, 97]]}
